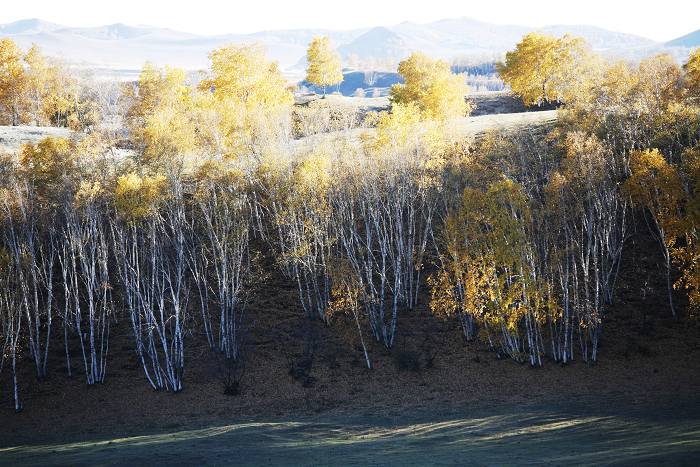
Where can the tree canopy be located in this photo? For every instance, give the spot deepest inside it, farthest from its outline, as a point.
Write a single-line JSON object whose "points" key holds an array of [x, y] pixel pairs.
{"points": [[431, 85], [544, 69]]}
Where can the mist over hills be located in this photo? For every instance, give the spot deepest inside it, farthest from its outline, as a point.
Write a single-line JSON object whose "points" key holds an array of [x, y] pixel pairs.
{"points": [[125, 48]]}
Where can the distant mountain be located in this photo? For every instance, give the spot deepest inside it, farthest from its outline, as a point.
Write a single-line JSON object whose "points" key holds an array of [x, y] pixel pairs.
{"points": [[601, 39], [125, 48], [689, 40], [119, 31], [464, 36], [460, 36], [378, 42], [28, 26]]}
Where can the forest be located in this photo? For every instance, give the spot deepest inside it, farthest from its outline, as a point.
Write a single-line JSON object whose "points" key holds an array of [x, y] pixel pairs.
{"points": [[177, 197]]}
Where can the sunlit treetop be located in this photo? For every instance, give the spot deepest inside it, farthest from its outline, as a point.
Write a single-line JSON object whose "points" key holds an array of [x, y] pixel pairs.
{"points": [[160, 118], [248, 98], [432, 87], [545, 69], [324, 64], [138, 198], [692, 70], [244, 76], [11, 81]]}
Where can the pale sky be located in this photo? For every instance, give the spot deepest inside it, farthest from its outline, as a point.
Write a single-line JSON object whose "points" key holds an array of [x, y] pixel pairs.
{"points": [[659, 20]]}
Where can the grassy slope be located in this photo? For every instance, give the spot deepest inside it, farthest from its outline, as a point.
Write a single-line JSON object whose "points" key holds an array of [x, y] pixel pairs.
{"points": [[502, 435]]}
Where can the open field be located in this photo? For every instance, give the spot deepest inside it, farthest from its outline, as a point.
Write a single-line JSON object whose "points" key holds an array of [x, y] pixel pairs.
{"points": [[472, 126], [574, 434], [493, 110], [12, 137], [484, 103]]}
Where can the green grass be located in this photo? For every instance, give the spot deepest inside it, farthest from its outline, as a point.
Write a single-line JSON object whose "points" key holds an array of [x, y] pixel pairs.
{"points": [[501, 435]]}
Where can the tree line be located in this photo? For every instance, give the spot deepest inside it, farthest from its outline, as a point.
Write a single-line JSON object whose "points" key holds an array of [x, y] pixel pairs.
{"points": [[516, 236]]}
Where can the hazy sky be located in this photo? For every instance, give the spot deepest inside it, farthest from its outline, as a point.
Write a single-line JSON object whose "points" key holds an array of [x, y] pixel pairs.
{"points": [[660, 20]]}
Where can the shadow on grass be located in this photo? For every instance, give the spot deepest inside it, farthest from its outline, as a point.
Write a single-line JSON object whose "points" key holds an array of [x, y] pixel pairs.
{"points": [[501, 436]]}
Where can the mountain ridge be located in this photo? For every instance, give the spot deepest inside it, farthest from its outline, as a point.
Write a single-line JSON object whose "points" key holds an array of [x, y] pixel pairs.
{"points": [[123, 46], [692, 39]]}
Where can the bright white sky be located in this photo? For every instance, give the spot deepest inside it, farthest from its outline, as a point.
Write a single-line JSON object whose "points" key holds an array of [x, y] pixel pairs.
{"points": [[659, 20]]}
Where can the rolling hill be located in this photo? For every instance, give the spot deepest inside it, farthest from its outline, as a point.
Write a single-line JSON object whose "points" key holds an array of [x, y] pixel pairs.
{"points": [[125, 48], [689, 40]]}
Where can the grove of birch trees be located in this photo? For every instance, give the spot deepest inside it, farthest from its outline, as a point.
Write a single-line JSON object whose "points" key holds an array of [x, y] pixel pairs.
{"points": [[516, 236]]}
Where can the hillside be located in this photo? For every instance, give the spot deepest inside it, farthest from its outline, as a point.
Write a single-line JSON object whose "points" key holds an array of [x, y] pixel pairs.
{"points": [[641, 393], [689, 40]]}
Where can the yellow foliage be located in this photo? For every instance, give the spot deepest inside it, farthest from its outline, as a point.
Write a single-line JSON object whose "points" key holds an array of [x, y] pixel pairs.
{"points": [[88, 192], [432, 87], [249, 96], [398, 128], [659, 80], [38, 90], [692, 73], [486, 272], [242, 75], [52, 93], [160, 118], [138, 198], [221, 171], [656, 185], [688, 255], [324, 64], [49, 164], [346, 292], [12, 83], [312, 175], [544, 69]]}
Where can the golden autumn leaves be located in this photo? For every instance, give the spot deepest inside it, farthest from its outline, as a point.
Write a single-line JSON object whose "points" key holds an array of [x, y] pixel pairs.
{"points": [[669, 194], [324, 66], [544, 69], [648, 113], [38, 90], [430, 85], [233, 111]]}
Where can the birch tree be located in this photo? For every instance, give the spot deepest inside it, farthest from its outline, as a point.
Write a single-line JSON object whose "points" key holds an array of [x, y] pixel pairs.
{"points": [[324, 68], [149, 239], [657, 187], [84, 260], [431, 85], [225, 213], [11, 320]]}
